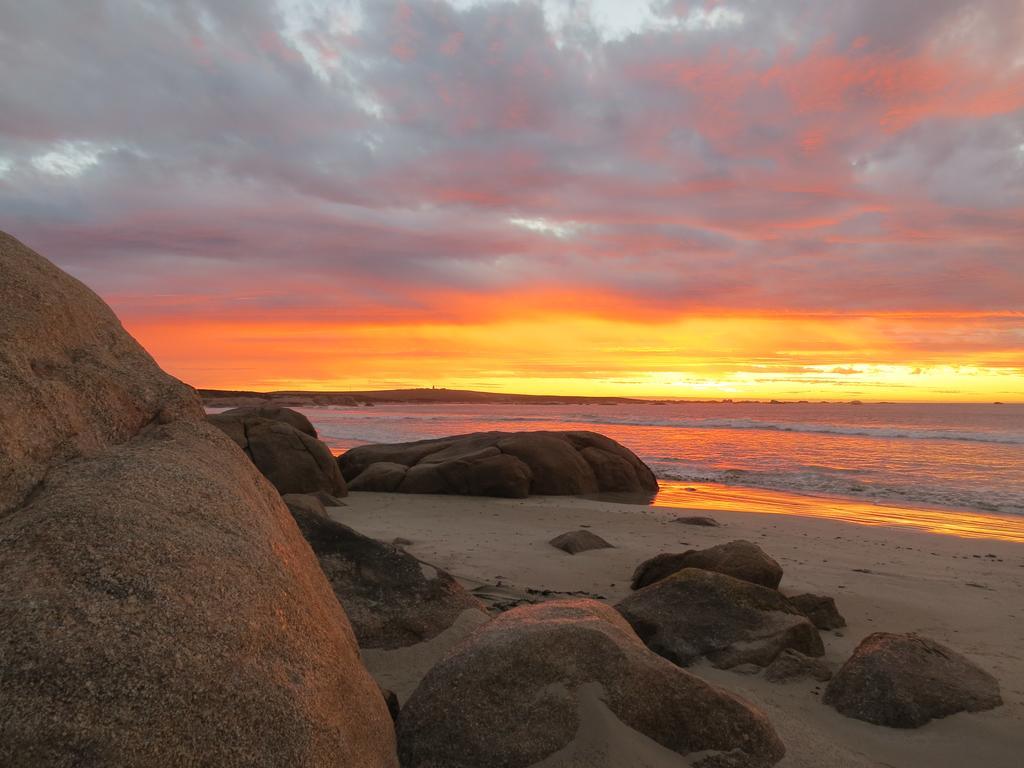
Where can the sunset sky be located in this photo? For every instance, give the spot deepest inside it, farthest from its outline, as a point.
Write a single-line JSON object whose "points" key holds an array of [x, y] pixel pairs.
{"points": [[790, 199]]}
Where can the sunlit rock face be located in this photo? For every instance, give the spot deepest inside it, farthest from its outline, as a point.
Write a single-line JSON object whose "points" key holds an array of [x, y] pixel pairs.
{"points": [[560, 677], [158, 605], [72, 381]]}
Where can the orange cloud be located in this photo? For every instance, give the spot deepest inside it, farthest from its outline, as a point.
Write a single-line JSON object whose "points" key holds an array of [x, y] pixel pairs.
{"points": [[549, 341]]}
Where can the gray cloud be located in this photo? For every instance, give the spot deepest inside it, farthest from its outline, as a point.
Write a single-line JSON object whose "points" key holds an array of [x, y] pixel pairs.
{"points": [[866, 159]]}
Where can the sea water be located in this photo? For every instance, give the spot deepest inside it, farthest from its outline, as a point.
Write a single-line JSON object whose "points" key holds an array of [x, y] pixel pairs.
{"points": [[966, 457]]}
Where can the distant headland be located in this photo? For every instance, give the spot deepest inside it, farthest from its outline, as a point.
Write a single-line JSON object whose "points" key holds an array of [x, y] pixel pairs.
{"points": [[298, 398], [223, 398]]}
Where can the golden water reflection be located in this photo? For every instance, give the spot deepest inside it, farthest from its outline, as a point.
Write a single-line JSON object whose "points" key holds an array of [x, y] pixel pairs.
{"points": [[710, 496]]}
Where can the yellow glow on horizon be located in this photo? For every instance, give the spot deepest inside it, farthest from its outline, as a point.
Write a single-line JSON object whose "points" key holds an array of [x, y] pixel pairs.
{"points": [[785, 357]]}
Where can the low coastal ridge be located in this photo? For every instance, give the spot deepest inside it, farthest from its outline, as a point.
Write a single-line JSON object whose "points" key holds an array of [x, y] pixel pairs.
{"points": [[230, 398]]}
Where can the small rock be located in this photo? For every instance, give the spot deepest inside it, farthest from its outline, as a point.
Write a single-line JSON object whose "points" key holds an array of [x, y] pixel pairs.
{"points": [[820, 609], [708, 522], [575, 542]]}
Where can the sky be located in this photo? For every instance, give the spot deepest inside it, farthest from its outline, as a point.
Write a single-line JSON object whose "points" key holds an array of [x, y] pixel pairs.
{"points": [[659, 198]]}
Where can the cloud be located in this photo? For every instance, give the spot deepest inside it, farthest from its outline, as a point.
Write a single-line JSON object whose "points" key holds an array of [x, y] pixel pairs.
{"points": [[413, 160]]}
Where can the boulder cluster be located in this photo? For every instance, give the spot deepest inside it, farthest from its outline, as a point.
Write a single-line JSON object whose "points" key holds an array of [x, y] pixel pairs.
{"points": [[722, 604], [173, 591], [510, 464]]}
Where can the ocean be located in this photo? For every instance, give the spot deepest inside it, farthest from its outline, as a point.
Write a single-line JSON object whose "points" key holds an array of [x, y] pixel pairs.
{"points": [[960, 457]]}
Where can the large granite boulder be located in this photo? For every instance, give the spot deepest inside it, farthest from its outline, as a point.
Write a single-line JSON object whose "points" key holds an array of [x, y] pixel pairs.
{"points": [[739, 559], [501, 464], [695, 613], [275, 413], [158, 605], [391, 598], [292, 460], [903, 681], [72, 381], [546, 681]]}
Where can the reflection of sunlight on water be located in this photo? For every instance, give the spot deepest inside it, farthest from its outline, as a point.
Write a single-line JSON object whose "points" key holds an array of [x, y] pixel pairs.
{"points": [[875, 465], [708, 496]]}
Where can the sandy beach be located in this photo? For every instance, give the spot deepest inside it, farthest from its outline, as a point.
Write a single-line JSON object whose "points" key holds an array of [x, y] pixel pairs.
{"points": [[964, 592]]}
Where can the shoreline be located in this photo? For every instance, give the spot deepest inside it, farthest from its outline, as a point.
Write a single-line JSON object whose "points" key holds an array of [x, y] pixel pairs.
{"points": [[858, 470], [953, 521], [964, 592], [715, 497]]}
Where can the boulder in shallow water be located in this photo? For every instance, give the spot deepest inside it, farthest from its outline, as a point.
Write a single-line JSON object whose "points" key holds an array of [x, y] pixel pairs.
{"points": [[903, 681], [292, 460], [820, 609], [739, 559], [276, 413], [695, 613], [575, 542], [547, 682], [512, 464]]}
